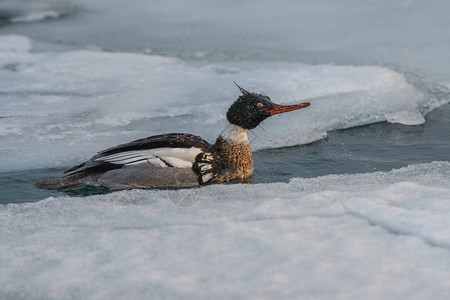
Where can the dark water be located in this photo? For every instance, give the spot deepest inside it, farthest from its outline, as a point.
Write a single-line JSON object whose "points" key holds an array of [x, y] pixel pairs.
{"points": [[376, 147]]}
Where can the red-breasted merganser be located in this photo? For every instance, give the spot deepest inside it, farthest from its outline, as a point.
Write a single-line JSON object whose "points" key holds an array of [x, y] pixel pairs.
{"points": [[178, 159]]}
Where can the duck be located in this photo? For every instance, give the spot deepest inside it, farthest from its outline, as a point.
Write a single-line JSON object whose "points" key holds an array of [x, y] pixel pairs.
{"points": [[178, 160]]}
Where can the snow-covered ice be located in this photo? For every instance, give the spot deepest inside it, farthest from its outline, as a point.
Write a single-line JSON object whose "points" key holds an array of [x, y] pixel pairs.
{"points": [[384, 235], [13, 43], [35, 17]]}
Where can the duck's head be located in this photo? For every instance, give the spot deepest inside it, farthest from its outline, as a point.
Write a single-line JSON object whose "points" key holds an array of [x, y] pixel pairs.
{"points": [[250, 109]]}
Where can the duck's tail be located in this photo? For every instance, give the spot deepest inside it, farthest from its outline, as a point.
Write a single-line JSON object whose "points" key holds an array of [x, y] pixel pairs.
{"points": [[68, 182], [58, 184]]}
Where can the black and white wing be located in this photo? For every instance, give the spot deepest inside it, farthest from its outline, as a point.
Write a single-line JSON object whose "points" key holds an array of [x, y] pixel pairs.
{"points": [[174, 150]]}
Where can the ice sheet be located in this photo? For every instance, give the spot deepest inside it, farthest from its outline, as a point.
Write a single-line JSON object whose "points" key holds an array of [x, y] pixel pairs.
{"points": [[375, 236], [13, 43], [60, 108], [25, 11]]}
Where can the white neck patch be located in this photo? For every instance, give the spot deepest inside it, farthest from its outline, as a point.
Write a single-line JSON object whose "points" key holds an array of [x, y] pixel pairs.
{"points": [[235, 134]]}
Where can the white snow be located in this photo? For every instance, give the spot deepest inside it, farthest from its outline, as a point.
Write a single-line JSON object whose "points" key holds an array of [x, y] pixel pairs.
{"points": [[15, 43], [36, 16], [384, 235], [60, 108]]}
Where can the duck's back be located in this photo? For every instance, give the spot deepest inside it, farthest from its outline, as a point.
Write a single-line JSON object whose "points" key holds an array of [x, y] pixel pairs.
{"points": [[168, 160]]}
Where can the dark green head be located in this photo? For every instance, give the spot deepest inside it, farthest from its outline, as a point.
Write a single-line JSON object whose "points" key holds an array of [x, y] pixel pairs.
{"points": [[250, 109]]}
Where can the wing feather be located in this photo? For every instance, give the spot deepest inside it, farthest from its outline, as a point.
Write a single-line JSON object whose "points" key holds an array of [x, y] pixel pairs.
{"points": [[161, 157], [177, 150]]}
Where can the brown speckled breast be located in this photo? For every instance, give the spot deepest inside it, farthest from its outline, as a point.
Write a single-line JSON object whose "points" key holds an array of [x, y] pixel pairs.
{"points": [[237, 158]]}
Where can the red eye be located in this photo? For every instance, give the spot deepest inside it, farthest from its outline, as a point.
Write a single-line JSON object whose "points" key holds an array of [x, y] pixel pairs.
{"points": [[260, 104]]}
